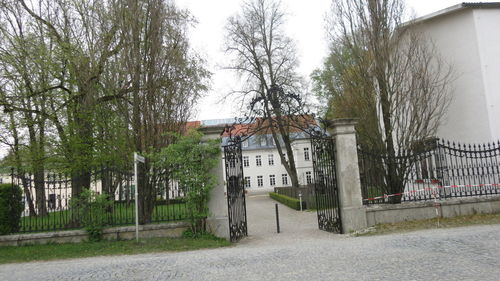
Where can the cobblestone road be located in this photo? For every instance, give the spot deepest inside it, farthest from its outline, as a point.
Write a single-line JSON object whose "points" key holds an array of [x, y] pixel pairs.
{"points": [[300, 253]]}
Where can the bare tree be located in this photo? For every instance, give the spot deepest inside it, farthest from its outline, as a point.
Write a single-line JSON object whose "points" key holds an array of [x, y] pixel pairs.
{"points": [[387, 74], [266, 60]]}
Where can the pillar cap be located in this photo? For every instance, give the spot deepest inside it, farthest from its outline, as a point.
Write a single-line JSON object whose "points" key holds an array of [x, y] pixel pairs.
{"points": [[345, 122], [342, 126]]}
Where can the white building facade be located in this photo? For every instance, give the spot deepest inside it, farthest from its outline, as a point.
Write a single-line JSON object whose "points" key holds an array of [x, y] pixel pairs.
{"points": [[467, 36], [262, 165]]}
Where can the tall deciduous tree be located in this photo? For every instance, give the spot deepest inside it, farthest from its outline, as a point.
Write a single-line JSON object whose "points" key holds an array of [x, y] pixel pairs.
{"points": [[383, 71], [101, 78], [166, 78], [266, 60]]}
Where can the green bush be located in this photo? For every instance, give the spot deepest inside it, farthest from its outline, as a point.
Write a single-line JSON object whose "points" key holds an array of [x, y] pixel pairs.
{"points": [[289, 201], [92, 210], [170, 201], [11, 207]]}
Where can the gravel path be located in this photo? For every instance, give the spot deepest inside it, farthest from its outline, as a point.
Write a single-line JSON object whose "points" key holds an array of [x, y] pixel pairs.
{"points": [[299, 253]]}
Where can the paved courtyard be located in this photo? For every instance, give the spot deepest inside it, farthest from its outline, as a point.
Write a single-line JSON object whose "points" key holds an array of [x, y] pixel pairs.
{"points": [[300, 252]]}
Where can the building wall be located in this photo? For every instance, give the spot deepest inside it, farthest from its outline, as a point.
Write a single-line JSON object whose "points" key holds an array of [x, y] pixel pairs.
{"points": [[465, 39], [488, 37]]}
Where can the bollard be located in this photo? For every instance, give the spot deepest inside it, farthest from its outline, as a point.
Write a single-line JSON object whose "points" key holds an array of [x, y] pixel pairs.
{"points": [[277, 219], [300, 201]]}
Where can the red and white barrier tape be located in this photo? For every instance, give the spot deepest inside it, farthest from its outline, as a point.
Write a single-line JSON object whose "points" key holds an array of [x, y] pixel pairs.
{"points": [[433, 189]]}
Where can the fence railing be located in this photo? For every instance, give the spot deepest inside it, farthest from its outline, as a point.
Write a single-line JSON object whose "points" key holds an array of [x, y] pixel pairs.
{"points": [[306, 191], [48, 200], [436, 169]]}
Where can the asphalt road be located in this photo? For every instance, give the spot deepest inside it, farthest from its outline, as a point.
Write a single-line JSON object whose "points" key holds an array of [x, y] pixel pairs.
{"points": [[301, 252]]}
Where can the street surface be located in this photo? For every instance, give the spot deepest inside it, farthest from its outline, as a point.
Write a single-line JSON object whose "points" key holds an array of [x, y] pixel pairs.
{"points": [[300, 252]]}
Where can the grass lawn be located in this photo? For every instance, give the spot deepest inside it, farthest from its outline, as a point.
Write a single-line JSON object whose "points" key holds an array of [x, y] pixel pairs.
{"points": [[122, 214], [106, 248], [433, 223]]}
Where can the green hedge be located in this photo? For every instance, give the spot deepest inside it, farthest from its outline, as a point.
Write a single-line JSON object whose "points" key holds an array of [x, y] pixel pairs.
{"points": [[11, 207], [287, 200]]}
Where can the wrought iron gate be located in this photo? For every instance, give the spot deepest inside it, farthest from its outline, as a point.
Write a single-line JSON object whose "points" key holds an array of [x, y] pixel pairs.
{"points": [[325, 184], [236, 203]]}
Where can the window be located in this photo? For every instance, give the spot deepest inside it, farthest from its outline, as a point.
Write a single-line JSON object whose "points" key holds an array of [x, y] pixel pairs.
{"points": [[246, 161], [245, 143], [272, 180], [308, 177], [258, 161], [260, 181], [247, 182], [306, 153], [284, 179], [270, 157], [263, 141]]}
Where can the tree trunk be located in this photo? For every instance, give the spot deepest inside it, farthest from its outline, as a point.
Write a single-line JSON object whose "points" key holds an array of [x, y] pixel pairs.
{"points": [[20, 171], [41, 200], [146, 194], [79, 181]]}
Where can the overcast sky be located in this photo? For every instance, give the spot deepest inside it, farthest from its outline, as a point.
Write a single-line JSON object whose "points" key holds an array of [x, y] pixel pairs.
{"points": [[305, 24]]}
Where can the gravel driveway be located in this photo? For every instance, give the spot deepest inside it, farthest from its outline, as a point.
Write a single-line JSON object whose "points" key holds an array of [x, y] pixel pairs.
{"points": [[299, 253]]}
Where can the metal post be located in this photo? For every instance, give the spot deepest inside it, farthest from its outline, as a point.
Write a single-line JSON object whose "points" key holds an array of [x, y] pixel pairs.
{"points": [[136, 199], [300, 201], [277, 219]]}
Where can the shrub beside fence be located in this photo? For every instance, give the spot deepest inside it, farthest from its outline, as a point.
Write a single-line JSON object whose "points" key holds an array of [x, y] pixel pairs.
{"points": [[435, 169], [61, 214], [11, 207]]}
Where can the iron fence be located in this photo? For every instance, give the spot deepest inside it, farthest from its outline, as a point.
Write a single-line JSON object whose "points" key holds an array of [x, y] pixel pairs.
{"points": [[434, 169], [306, 191], [48, 200]]}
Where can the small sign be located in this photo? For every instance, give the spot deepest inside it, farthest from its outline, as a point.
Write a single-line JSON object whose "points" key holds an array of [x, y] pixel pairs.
{"points": [[139, 158]]}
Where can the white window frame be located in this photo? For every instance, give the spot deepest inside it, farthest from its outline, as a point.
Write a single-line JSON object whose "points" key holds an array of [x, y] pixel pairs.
{"points": [[248, 182], [258, 160], [272, 180], [307, 155], [270, 159], [246, 161], [284, 179], [263, 141], [308, 177], [260, 181]]}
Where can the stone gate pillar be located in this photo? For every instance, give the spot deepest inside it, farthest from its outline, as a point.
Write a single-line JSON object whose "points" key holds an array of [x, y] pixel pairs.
{"points": [[352, 211], [218, 220]]}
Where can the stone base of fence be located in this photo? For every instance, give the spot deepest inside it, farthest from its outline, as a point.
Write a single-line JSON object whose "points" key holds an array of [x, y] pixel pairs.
{"points": [[408, 211], [113, 233]]}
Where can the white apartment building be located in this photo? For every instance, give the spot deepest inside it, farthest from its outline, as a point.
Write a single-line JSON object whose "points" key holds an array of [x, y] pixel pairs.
{"points": [[262, 168], [467, 36]]}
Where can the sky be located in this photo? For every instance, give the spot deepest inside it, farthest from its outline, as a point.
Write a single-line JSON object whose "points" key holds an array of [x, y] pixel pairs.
{"points": [[305, 24]]}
